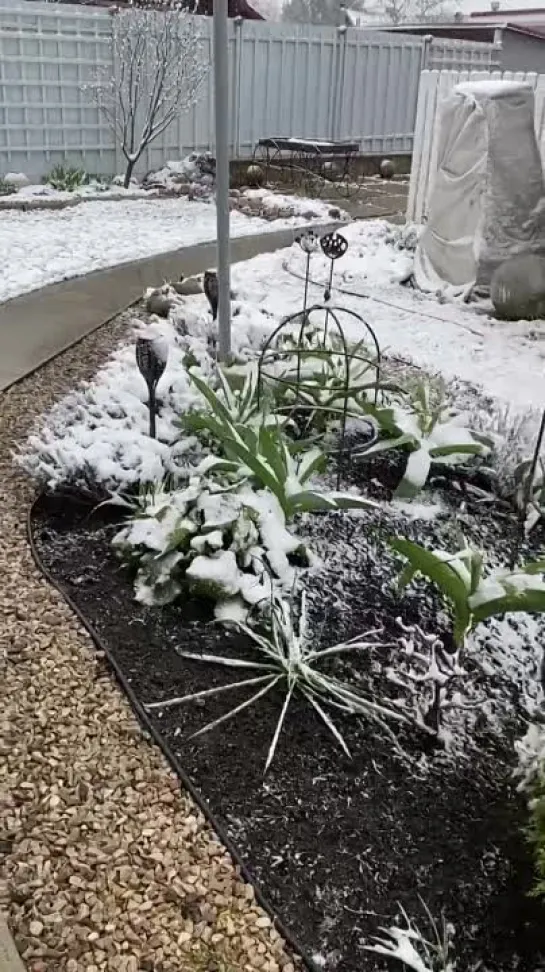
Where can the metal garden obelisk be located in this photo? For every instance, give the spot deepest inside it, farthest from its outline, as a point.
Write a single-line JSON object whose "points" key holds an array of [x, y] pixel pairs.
{"points": [[221, 103]]}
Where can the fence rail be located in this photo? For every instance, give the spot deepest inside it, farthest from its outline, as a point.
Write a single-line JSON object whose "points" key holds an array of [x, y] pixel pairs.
{"points": [[309, 82], [435, 86]]}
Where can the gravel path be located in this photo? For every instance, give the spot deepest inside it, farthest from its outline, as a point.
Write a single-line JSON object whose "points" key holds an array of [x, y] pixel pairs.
{"points": [[108, 865]]}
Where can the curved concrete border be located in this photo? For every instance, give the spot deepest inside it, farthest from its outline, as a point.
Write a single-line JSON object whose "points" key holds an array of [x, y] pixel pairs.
{"points": [[41, 324]]}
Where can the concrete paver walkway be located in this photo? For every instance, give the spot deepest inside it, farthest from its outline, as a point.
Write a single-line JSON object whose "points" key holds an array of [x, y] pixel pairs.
{"points": [[39, 325]]}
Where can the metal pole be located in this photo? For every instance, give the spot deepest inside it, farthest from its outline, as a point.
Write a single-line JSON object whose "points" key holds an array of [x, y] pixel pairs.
{"points": [[221, 103]]}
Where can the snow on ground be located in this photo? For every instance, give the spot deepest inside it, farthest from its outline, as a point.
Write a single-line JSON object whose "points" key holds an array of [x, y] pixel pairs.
{"points": [[460, 341], [84, 433], [42, 247]]}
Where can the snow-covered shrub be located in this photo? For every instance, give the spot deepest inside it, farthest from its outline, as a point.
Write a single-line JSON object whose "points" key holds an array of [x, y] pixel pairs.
{"points": [[431, 431], [218, 545], [289, 660], [97, 437], [196, 171], [66, 178]]}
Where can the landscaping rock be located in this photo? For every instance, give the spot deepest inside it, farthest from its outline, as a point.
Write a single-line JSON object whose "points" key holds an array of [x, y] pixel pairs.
{"points": [[517, 288], [188, 286], [159, 304], [88, 874]]}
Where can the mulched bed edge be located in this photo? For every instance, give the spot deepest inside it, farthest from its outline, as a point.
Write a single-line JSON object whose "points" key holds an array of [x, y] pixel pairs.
{"points": [[175, 764]]}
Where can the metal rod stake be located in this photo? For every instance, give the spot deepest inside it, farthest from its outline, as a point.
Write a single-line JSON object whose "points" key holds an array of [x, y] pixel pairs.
{"points": [[221, 102]]}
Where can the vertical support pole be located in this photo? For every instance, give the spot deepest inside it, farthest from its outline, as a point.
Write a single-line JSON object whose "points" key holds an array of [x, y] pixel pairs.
{"points": [[221, 104], [237, 69], [342, 34]]}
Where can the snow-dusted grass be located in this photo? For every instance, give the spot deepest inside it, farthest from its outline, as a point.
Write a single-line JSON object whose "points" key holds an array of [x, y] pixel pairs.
{"points": [[43, 247]]}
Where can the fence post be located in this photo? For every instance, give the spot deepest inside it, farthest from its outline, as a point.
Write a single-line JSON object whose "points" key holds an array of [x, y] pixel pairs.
{"points": [[340, 69], [426, 51], [235, 103]]}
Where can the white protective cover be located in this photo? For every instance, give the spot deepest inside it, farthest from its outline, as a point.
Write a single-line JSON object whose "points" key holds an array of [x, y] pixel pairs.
{"points": [[488, 183]]}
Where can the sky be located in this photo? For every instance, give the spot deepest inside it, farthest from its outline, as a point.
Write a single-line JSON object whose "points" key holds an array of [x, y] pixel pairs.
{"points": [[271, 8]]}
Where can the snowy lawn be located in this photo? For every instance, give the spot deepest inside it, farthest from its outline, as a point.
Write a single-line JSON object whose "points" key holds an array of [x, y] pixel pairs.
{"points": [[43, 247]]}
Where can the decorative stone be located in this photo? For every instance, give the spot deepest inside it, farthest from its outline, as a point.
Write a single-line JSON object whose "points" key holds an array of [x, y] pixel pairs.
{"points": [[387, 169], [517, 288], [158, 304], [255, 175], [188, 286]]}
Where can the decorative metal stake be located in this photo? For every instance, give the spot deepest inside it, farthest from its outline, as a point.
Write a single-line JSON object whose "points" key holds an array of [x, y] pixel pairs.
{"points": [[211, 289], [309, 243], [151, 358], [334, 246]]}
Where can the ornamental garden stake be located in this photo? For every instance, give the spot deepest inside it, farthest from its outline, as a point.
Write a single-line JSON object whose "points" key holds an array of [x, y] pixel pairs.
{"points": [[151, 358]]}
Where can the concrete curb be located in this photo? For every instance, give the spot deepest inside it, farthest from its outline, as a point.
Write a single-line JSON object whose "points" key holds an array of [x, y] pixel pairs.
{"points": [[40, 325]]}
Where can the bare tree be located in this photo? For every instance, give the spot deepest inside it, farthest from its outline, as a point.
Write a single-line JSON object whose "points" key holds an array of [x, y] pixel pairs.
{"points": [[330, 12], [159, 66], [415, 11]]}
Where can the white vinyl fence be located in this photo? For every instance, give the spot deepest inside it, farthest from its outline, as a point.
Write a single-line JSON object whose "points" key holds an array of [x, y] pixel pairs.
{"points": [[435, 86], [308, 82]]}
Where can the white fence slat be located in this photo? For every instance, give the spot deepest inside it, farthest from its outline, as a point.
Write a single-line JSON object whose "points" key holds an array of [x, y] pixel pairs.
{"points": [[287, 79]]}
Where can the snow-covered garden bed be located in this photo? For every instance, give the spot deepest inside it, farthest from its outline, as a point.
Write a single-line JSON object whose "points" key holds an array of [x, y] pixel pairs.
{"points": [[385, 714]]}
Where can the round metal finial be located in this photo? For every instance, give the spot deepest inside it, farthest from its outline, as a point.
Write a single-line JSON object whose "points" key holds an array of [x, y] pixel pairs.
{"points": [[309, 242], [334, 245]]}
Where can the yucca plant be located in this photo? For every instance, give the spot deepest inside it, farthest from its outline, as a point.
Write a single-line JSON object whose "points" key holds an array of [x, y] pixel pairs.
{"points": [[409, 946], [67, 178], [429, 430], [237, 403], [264, 455], [290, 663], [473, 595]]}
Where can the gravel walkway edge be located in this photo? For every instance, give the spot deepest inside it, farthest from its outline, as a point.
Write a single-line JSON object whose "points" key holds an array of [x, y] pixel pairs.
{"points": [[108, 864]]}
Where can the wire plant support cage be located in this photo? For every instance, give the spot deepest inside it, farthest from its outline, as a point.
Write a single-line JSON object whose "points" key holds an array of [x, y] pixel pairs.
{"points": [[315, 335]]}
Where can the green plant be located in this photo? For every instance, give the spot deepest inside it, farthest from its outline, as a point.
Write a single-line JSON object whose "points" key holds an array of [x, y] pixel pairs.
{"points": [[221, 545], [236, 397], [429, 430], [288, 662], [409, 946], [67, 178], [264, 456], [473, 595], [6, 188]]}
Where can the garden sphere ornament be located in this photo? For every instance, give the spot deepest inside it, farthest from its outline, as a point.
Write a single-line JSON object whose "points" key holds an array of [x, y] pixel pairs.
{"points": [[309, 243], [151, 359], [255, 175], [387, 169]]}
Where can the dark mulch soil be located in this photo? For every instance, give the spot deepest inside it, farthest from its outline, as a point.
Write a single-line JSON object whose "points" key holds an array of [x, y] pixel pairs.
{"points": [[336, 844]]}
